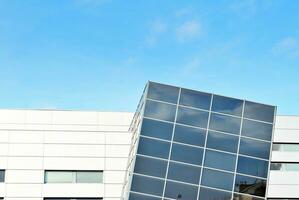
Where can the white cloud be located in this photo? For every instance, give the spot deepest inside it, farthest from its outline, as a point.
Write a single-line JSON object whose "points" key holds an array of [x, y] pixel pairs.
{"points": [[189, 30], [288, 46], [156, 28]]}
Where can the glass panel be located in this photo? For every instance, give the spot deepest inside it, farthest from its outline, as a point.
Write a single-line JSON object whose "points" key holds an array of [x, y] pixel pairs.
{"points": [[159, 110], [220, 160], [141, 197], [89, 177], [227, 105], [154, 148], [163, 92], [217, 179], [192, 117], [195, 99], [59, 177], [147, 185], [284, 166], [193, 136], [254, 148], [2, 176], [209, 194], [245, 197], [186, 154], [222, 142], [252, 167], [257, 130], [225, 123], [249, 185], [286, 147], [157, 129], [151, 167], [184, 173], [185, 192], [259, 111]]}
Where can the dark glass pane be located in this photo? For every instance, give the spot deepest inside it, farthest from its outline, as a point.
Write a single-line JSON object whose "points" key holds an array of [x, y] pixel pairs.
{"points": [[195, 99], [2, 176], [147, 185], [257, 130], [220, 160], [246, 197], [249, 185], [222, 142], [276, 166], [227, 105], [154, 148], [192, 117], [187, 192], [150, 166], [225, 123], [163, 92], [186, 154], [141, 197], [184, 173], [217, 179], [252, 167], [209, 194], [157, 129], [254, 148], [259, 111], [193, 136], [159, 110]]}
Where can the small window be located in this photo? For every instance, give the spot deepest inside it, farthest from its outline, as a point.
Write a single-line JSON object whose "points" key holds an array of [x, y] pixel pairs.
{"points": [[157, 110], [163, 92], [192, 117], [195, 99], [227, 105], [210, 194], [73, 177], [2, 176], [225, 123]]}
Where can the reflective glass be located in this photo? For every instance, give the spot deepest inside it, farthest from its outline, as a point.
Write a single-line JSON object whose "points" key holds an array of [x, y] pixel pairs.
{"points": [[59, 177], [154, 148], [217, 179], [147, 185], [150, 166], [227, 105], [157, 129], [186, 192], [245, 197], [159, 110], [222, 142], [249, 185], [220, 160], [225, 123], [2, 176], [192, 117], [257, 130], [89, 177], [259, 111], [186, 154], [195, 99], [184, 173], [252, 166], [193, 136], [163, 92], [209, 194], [254, 148], [286, 147], [134, 196], [284, 166]]}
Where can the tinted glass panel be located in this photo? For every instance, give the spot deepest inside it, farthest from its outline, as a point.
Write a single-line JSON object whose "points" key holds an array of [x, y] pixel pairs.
{"points": [[216, 179], [147, 185], [245, 197], [259, 111], [2, 176], [209, 194], [284, 166], [192, 117], [187, 192], [59, 177], [150, 166], [254, 148], [227, 105], [252, 167], [141, 197], [249, 185], [159, 110], [157, 129], [193, 136], [222, 142], [225, 123], [195, 99], [285, 147], [220, 160], [257, 130], [89, 177], [154, 148], [163, 92], [184, 173], [186, 154]]}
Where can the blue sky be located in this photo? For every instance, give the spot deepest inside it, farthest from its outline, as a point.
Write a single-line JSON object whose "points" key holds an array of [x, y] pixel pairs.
{"points": [[99, 54]]}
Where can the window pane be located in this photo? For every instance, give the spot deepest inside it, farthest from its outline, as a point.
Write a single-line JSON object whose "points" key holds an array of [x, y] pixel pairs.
{"points": [[159, 110], [225, 123], [151, 167], [163, 92], [154, 148], [252, 167], [220, 160], [2, 176], [245, 197], [157, 129], [187, 192], [186, 154], [89, 177], [147, 185], [227, 105], [184, 173], [257, 130], [254, 148], [222, 142], [249, 185], [195, 99], [259, 111], [285, 147], [141, 197], [217, 179], [209, 194], [193, 136], [59, 177], [192, 117], [284, 166]]}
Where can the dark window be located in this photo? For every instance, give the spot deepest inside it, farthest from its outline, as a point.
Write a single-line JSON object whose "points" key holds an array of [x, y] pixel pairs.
{"points": [[134, 196], [259, 111], [252, 167], [163, 92], [220, 160], [227, 105], [150, 166], [193, 136], [184, 173], [147, 185], [186, 192], [192, 117], [154, 148], [284, 166], [217, 179], [225, 123], [254, 148], [186, 154], [157, 129], [195, 99], [222, 142], [257, 130], [2, 176], [160, 111], [243, 197], [209, 194], [249, 185]]}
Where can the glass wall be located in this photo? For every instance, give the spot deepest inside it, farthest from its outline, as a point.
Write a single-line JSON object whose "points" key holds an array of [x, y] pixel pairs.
{"points": [[73, 177]]}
